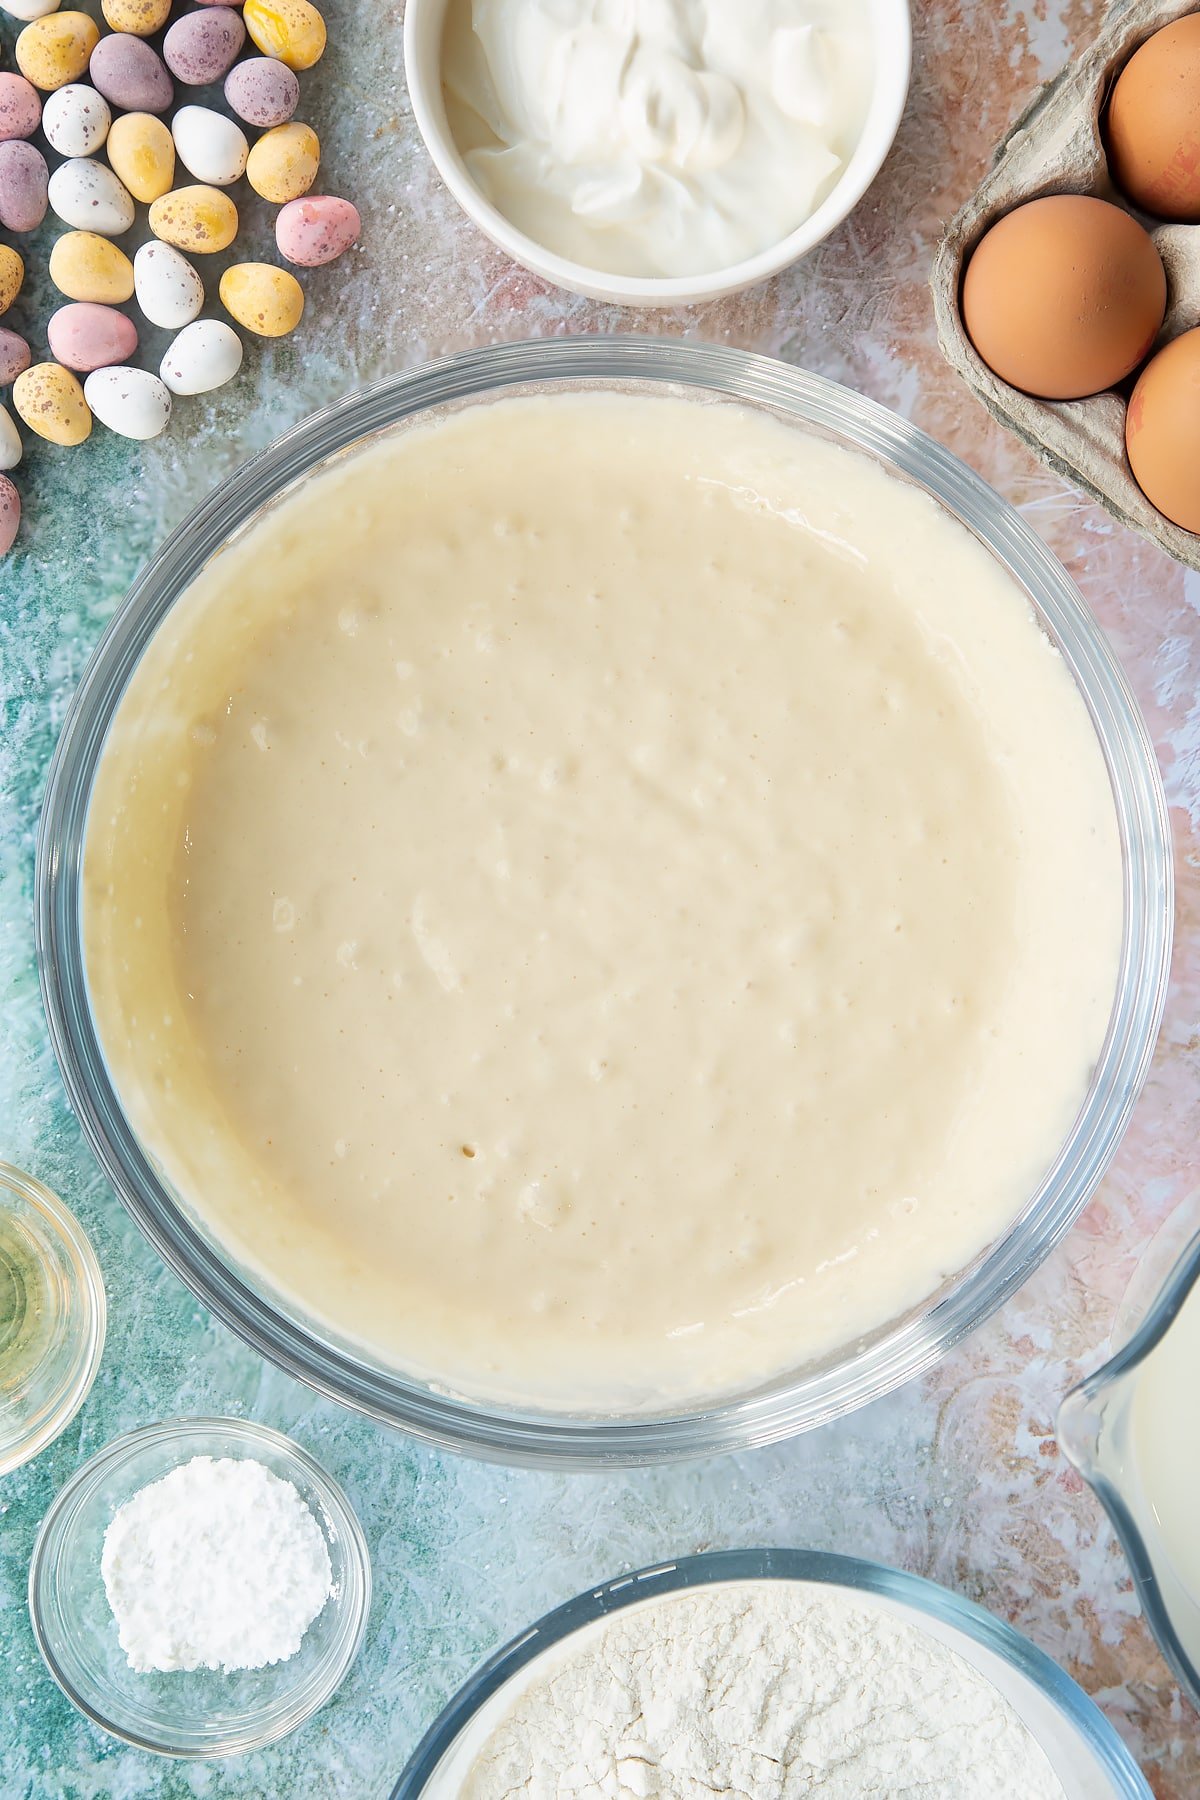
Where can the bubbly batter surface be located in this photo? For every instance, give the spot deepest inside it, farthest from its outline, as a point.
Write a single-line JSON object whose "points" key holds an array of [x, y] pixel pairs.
{"points": [[602, 899]]}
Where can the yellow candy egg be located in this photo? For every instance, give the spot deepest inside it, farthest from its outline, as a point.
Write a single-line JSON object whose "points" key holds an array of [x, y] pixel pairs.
{"points": [[196, 219], [283, 164], [56, 49], [84, 266], [142, 17], [141, 152], [266, 300], [290, 30], [51, 402], [12, 274]]}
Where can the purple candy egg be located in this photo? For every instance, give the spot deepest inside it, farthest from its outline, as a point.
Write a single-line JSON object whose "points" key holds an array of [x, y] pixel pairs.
{"points": [[23, 180], [84, 336], [202, 46], [14, 355], [20, 107], [130, 74], [262, 91], [10, 514], [316, 229]]}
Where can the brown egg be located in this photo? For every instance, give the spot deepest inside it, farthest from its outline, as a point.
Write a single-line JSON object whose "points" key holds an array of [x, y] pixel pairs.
{"points": [[1064, 296], [1153, 126], [1162, 431]]}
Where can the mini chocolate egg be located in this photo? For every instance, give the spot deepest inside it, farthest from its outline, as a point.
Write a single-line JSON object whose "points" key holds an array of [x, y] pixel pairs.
{"points": [[10, 514], [12, 275], [1064, 296], [87, 196], [14, 356], [283, 164], [10, 441], [1152, 130], [130, 74], [262, 91], [51, 402], [200, 220], [168, 289], [203, 46], [132, 402], [27, 10], [141, 151], [1162, 431], [84, 337], [316, 229], [210, 146], [24, 179], [292, 30], [141, 17], [55, 49], [76, 119], [20, 106], [85, 266], [204, 356], [266, 300]]}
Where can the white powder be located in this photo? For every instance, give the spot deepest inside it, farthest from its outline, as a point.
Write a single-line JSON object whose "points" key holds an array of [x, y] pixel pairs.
{"points": [[220, 1565], [760, 1692]]}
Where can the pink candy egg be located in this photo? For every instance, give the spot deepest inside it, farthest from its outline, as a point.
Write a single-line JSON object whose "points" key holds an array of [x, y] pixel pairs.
{"points": [[262, 91], [130, 74], [86, 337], [23, 181], [20, 106], [202, 46], [10, 514], [316, 229], [14, 355]]}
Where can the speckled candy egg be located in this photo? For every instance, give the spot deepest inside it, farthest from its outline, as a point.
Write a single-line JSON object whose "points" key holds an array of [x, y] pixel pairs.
{"points": [[262, 91], [76, 119], [51, 402], [203, 46], [14, 356], [317, 229], [292, 30], [283, 163], [10, 440], [132, 402], [130, 74], [204, 356], [56, 49], [20, 106], [85, 266], [210, 146], [141, 17], [25, 10], [12, 274], [266, 300], [24, 179], [200, 220], [10, 514], [84, 337], [168, 289], [141, 151], [88, 196]]}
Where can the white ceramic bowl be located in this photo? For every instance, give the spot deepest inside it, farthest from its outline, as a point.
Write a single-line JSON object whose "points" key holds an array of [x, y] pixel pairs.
{"points": [[891, 30]]}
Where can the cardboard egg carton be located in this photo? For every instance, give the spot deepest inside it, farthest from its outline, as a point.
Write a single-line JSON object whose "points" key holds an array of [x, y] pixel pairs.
{"points": [[1056, 147]]}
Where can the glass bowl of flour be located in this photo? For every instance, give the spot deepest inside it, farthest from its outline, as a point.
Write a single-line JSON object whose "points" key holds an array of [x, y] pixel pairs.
{"points": [[772, 1673], [289, 1506]]}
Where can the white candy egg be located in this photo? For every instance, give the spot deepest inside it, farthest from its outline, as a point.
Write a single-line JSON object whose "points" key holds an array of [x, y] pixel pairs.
{"points": [[131, 402], [10, 441], [168, 289], [76, 119], [27, 10], [204, 356], [88, 197], [210, 146]]}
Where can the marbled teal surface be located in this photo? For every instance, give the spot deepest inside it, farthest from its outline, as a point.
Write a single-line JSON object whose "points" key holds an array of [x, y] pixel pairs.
{"points": [[957, 1477]]}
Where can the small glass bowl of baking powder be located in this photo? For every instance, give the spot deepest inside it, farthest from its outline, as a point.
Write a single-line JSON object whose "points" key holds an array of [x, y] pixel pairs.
{"points": [[198, 1712]]}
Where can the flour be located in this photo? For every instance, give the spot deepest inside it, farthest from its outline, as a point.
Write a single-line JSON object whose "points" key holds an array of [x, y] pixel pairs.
{"points": [[220, 1565], [760, 1692]]}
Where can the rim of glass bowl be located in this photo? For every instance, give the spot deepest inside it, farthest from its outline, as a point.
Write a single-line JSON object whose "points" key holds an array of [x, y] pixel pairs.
{"points": [[89, 1305], [354, 1602], [914, 1592], [797, 1401]]}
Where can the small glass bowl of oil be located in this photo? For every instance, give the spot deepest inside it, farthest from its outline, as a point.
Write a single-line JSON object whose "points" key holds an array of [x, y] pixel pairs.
{"points": [[52, 1315]]}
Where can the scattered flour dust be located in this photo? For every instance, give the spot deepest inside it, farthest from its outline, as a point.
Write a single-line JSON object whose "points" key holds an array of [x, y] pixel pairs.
{"points": [[219, 1565], [760, 1691]]}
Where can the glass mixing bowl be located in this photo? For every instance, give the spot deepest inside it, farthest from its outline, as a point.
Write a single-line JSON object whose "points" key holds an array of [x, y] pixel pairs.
{"points": [[801, 1398]]}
